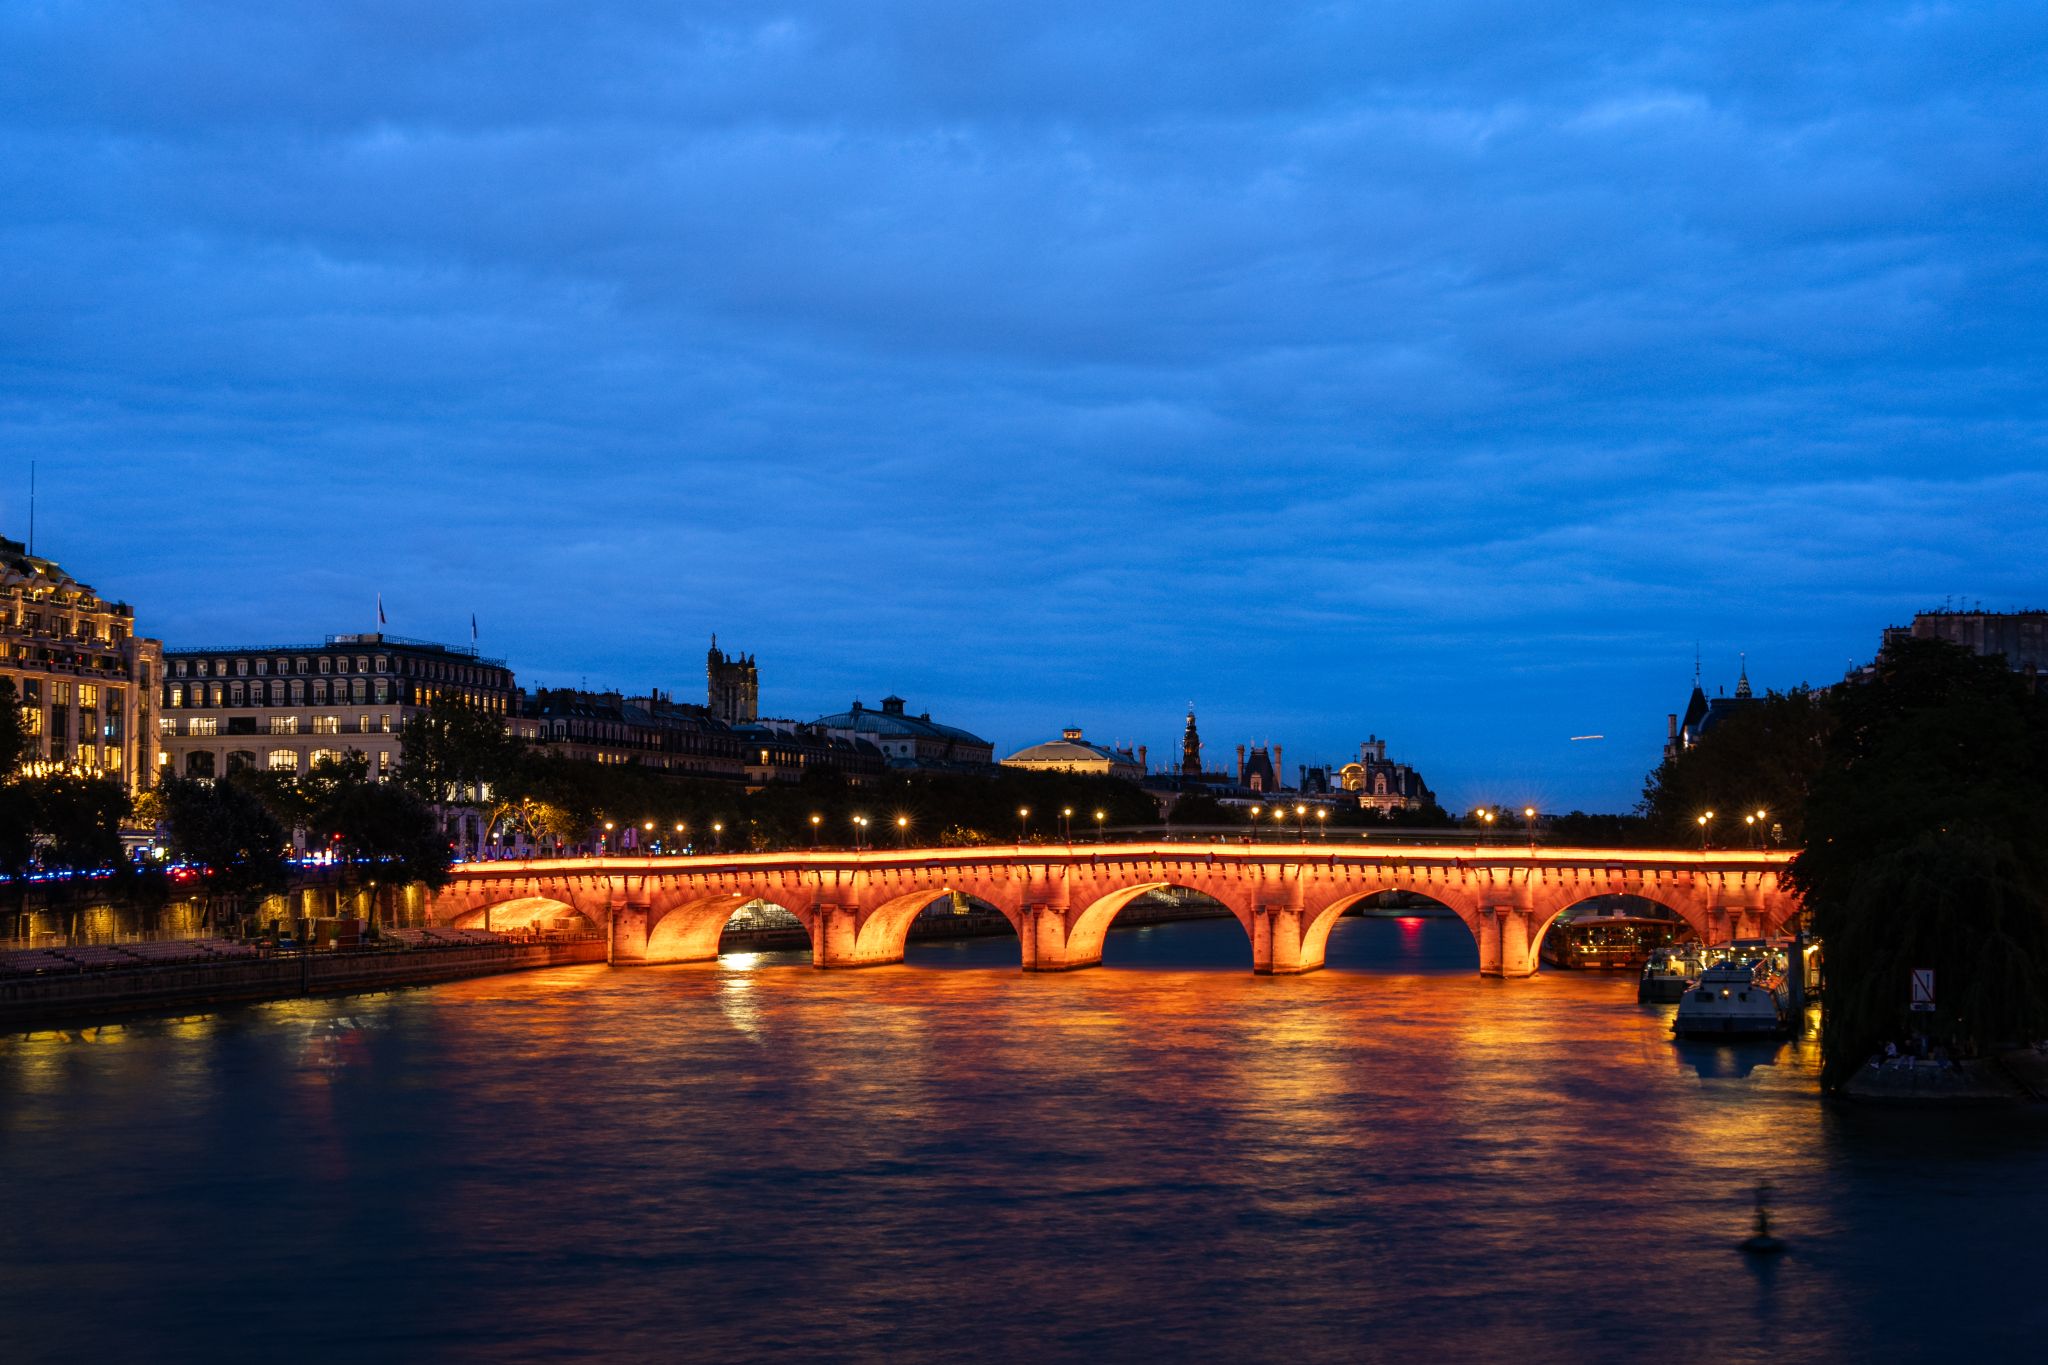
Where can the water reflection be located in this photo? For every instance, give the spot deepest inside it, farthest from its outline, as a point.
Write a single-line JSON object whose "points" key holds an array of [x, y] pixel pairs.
{"points": [[1166, 1156]]}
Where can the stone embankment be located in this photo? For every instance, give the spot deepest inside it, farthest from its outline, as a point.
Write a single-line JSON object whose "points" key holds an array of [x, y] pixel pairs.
{"points": [[46, 997]]}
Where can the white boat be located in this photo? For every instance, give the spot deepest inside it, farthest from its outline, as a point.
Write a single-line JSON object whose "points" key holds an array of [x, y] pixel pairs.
{"points": [[1732, 1000]]}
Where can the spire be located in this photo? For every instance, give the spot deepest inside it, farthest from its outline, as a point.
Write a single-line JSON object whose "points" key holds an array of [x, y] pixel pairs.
{"points": [[1742, 686]]}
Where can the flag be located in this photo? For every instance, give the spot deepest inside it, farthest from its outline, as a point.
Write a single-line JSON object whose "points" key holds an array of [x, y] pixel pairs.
{"points": [[472, 628], [380, 608]]}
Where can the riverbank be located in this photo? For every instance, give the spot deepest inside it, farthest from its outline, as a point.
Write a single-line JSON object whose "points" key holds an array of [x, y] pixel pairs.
{"points": [[44, 999]]}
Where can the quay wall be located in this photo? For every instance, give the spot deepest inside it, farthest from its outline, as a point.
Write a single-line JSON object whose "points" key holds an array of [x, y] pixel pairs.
{"points": [[32, 1001]]}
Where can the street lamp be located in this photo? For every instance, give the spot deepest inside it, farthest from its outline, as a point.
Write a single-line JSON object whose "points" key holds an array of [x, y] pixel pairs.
{"points": [[1067, 824], [903, 831], [1099, 817], [1704, 818], [607, 838], [681, 829], [647, 828], [1300, 814], [1322, 822], [1529, 823], [718, 835], [860, 825], [816, 820], [1023, 815]]}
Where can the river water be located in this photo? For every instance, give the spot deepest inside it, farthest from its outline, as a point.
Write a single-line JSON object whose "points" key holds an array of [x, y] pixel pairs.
{"points": [[950, 1160]]}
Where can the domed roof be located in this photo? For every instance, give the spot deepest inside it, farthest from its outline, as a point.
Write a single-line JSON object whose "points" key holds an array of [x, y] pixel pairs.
{"points": [[1062, 751]]}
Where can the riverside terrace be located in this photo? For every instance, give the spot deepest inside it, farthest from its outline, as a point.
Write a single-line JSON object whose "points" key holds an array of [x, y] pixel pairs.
{"points": [[858, 906]]}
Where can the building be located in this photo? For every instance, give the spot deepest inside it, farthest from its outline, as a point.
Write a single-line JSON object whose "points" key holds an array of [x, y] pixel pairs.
{"points": [[653, 731], [782, 751], [1381, 784], [285, 707], [909, 741], [86, 682], [2021, 636], [1259, 772], [1070, 753], [732, 686], [1703, 713]]}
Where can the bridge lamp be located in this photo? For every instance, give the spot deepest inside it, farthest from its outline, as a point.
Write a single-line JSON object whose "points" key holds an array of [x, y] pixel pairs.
{"points": [[718, 835], [1322, 822], [816, 820], [1099, 816], [903, 831], [1023, 816]]}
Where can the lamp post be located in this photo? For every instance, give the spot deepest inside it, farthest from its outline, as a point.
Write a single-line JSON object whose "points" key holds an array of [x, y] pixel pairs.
{"points": [[718, 835], [1529, 823], [1099, 817], [816, 820], [1705, 818], [1763, 827], [681, 829], [860, 826], [1257, 811], [1023, 816], [1067, 824], [1322, 822], [903, 831], [607, 845], [647, 828], [1300, 814]]}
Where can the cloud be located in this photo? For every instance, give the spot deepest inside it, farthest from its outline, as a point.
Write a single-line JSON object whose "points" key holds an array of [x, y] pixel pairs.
{"points": [[1434, 371]]}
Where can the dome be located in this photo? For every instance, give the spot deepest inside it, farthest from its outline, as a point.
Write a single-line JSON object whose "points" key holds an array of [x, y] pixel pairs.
{"points": [[1061, 751]]}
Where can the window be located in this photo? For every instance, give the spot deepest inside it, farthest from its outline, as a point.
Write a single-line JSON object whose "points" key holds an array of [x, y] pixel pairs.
{"points": [[199, 763], [241, 668], [283, 761], [362, 725], [262, 667], [324, 755], [327, 725], [383, 689], [219, 697], [383, 664], [359, 690], [60, 693], [298, 693], [362, 663], [383, 762], [179, 668], [89, 695], [384, 722], [235, 694], [177, 695], [299, 666], [284, 725], [326, 664], [167, 726]]}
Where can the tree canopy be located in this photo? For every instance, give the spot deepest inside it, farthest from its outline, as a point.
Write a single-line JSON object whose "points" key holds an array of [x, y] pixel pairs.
{"points": [[1927, 847], [1762, 756]]}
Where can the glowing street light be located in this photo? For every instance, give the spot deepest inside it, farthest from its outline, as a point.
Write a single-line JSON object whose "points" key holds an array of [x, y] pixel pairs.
{"points": [[1023, 816], [718, 835], [608, 837], [1322, 822], [1067, 824], [816, 820], [1300, 814], [1100, 816], [860, 825], [903, 831], [1705, 818]]}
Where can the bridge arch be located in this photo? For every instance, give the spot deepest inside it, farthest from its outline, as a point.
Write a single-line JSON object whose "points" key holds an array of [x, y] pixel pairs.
{"points": [[1088, 927], [1315, 934], [689, 930], [526, 912], [885, 931]]}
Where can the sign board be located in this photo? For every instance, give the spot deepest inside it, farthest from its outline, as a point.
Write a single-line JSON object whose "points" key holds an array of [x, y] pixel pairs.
{"points": [[1923, 989]]}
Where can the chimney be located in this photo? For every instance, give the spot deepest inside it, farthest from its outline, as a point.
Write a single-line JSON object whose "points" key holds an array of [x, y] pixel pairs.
{"points": [[1141, 760], [1279, 767], [1240, 765], [1671, 728]]}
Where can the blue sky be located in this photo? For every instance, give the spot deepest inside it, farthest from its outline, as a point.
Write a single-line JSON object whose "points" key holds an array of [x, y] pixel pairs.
{"points": [[1446, 372]]}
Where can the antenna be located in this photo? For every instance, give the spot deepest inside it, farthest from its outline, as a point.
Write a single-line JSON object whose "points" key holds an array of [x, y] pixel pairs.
{"points": [[31, 507]]}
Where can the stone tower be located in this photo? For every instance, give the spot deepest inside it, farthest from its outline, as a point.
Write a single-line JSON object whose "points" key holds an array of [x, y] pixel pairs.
{"points": [[1191, 749], [732, 686]]}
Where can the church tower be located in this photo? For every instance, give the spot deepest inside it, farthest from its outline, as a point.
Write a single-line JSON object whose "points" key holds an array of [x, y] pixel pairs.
{"points": [[1191, 749], [732, 686]]}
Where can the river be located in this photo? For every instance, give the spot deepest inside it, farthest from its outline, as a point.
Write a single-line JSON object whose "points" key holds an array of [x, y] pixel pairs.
{"points": [[950, 1160]]}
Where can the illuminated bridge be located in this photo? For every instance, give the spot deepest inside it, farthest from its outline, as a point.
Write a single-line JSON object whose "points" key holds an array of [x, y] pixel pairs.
{"points": [[858, 907]]}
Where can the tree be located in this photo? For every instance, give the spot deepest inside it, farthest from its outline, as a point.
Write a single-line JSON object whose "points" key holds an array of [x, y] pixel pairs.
{"points": [[386, 835], [14, 736], [453, 754], [1200, 808], [78, 821], [1927, 846], [1763, 756], [225, 830]]}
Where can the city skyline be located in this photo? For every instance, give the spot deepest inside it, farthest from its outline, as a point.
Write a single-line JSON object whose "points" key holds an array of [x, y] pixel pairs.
{"points": [[1450, 376]]}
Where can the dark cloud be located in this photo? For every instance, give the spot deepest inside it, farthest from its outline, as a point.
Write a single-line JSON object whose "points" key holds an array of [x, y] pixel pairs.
{"points": [[1440, 371]]}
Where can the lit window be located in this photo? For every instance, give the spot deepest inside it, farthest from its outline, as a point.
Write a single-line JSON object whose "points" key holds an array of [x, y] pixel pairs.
{"points": [[177, 695], [284, 761], [284, 725], [167, 726], [203, 725], [384, 722], [362, 725], [323, 755], [327, 725]]}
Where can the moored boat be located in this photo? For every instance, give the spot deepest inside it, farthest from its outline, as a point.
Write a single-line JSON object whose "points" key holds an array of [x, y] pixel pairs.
{"points": [[1621, 943], [1735, 999]]}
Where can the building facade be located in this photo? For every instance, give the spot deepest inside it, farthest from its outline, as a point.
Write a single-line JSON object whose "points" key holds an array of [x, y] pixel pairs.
{"points": [[285, 707], [2021, 636], [908, 741], [1381, 784], [85, 681], [732, 686], [1070, 753]]}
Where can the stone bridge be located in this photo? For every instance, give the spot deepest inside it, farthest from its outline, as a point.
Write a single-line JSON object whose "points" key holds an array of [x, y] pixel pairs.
{"points": [[857, 907]]}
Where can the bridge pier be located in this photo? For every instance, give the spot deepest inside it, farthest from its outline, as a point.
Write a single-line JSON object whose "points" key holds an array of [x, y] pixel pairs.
{"points": [[836, 939], [1042, 932], [1278, 947], [1507, 941], [627, 936]]}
